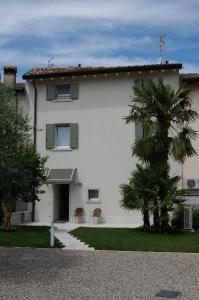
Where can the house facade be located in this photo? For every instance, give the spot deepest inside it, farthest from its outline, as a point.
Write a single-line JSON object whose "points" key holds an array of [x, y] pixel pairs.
{"points": [[78, 116]]}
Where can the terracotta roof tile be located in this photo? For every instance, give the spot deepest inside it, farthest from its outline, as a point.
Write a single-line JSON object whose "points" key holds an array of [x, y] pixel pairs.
{"points": [[20, 87], [70, 71], [190, 77]]}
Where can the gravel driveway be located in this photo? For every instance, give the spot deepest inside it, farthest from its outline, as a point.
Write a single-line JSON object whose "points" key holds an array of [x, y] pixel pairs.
{"points": [[56, 274]]}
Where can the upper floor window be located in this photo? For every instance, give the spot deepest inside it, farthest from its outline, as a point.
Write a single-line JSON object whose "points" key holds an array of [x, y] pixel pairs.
{"points": [[63, 92], [62, 136], [140, 83], [139, 132]]}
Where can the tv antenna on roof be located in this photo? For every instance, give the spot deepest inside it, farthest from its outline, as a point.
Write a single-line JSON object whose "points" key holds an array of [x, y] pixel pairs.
{"points": [[162, 42], [50, 61]]}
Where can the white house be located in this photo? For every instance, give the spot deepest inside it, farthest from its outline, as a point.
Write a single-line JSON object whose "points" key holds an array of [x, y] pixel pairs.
{"points": [[78, 115]]}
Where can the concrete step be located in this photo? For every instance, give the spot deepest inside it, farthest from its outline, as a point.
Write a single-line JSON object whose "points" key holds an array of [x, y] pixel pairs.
{"points": [[70, 242]]}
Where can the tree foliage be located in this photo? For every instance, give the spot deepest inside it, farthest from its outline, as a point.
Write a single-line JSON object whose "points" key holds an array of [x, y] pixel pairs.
{"points": [[166, 115], [22, 170]]}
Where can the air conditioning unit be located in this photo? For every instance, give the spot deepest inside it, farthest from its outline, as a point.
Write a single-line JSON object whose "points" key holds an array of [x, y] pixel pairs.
{"points": [[188, 218], [192, 184]]}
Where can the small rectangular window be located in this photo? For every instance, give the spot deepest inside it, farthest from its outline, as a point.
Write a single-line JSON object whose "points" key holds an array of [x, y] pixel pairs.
{"points": [[93, 195], [62, 136], [63, 92]]}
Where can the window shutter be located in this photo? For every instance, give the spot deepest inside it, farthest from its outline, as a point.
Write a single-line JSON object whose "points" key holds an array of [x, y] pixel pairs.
{"points": [[138, 83], [146, 82], [138, 131], [74, 135], [50, 136], [74, 90], [51, 92]]}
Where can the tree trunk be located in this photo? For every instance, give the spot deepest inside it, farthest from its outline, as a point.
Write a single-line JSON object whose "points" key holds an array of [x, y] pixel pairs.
{"points": [[156, 219], [164, 219], [162, 161], [7, 212], [146, 219], [33, 211]]}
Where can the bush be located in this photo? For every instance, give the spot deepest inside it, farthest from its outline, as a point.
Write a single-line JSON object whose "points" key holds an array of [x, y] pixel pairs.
{"points": [[177, 220], [196, 219]]}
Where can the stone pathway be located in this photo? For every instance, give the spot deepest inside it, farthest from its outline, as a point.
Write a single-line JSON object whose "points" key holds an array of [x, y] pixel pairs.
{"points": [[70, 242]]}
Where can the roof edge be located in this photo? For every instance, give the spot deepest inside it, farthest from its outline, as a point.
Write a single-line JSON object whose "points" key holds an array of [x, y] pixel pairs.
{"points": [[189, 77], [101, 70]]}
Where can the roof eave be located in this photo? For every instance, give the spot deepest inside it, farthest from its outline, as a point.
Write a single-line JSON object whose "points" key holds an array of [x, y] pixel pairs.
{"points": [[102, 71]]}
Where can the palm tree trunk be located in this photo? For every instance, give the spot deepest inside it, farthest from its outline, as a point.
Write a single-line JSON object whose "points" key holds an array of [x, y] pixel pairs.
{"points": [[146, 218], [156, 220], [164, 219], [164, 173]]}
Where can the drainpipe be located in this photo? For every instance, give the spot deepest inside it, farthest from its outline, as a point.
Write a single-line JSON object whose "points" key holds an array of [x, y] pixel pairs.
{"points": [[34, 137], [35, 117]]}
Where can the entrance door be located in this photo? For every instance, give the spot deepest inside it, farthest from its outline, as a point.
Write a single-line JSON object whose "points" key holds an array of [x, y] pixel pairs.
{"points": [[64, 202], [61, 203]]}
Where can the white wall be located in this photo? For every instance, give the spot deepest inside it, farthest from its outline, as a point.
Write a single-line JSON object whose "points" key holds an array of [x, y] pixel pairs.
{"points": [[191, 165], [104, 158]]}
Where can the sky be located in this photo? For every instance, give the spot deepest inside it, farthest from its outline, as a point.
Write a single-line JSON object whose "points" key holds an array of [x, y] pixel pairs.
{"points": [[98, 33]]}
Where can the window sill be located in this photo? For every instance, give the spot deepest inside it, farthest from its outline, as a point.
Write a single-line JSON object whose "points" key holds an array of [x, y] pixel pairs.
{"points": [[62, 149], [64, 100], [94, 201]]}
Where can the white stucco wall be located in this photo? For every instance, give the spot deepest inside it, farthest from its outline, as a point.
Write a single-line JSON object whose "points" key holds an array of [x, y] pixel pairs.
{"points": [[191, 165], [104, 158]]}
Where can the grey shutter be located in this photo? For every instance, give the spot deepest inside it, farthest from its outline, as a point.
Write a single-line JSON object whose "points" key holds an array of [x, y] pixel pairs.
{"points": [[74, 90], [74, 135], [50, 136], [138, 131], [139, 83], [51, 92], [146, 82]]}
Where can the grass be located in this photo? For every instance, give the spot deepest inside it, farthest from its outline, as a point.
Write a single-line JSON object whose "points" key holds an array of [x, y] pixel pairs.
{"points": [[135, 240], [28, 236]]}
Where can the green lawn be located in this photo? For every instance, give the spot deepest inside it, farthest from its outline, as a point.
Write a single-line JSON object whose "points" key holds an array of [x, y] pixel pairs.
{"points": [[136, 240], [28, 236]]}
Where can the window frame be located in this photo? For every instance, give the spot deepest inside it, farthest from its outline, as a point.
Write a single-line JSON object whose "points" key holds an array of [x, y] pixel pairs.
{"points": [[65, 147], [93, 200], [52, 91], [66, 99]]}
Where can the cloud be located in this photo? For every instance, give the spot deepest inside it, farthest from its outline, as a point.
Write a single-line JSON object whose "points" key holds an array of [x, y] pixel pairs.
{"points": [[50, 16], [32, 60], [98, 44], [93, 32]]}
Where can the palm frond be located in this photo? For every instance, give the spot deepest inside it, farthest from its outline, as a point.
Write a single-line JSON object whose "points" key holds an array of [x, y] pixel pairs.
{"points": [[130, 198], [143, 148], [181, 146]]}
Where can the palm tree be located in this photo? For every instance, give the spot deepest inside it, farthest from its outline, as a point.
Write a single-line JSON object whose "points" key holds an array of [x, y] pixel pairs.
{"points": [[166, 115], [137, 193], [141, 193]]}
